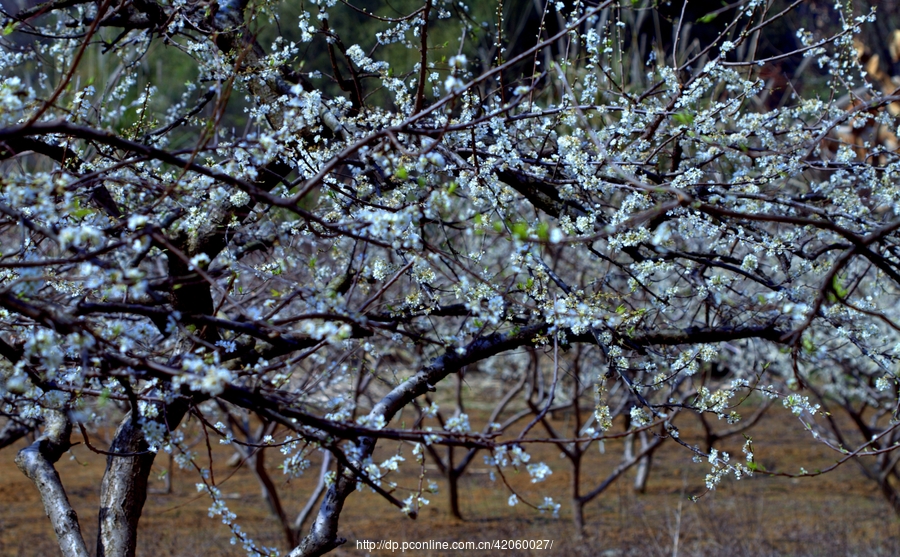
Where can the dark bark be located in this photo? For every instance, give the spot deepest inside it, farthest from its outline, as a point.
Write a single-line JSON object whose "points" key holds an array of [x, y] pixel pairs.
{"points": [[453, 481], [123, 491]]}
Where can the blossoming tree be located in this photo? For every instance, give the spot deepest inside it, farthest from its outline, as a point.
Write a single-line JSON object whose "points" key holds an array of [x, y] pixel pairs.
{"points": [[318, 237]]}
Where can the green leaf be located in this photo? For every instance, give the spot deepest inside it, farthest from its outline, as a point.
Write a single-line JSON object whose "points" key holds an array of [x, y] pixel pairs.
{"points": [[808, 345], [401, 173], [520, 230], [708, 17], [452, 188], [684, 118], [10, 27], [543, 231], [838, 287]]}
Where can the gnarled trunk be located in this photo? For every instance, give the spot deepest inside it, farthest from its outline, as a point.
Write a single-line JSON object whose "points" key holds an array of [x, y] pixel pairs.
{"points": [[36, 461]]}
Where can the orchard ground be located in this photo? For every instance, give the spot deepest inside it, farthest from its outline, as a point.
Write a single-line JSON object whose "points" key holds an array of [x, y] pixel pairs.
{"points": [[840, 513]]}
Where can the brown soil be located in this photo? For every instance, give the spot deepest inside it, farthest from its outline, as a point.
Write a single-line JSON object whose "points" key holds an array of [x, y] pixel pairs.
{"points": [[840, 513]]}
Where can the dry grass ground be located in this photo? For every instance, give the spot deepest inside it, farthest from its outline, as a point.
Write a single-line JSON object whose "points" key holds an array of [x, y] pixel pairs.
{"points": [[840, 513]]}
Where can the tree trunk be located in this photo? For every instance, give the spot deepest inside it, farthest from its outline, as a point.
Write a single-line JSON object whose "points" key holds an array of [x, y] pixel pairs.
{"points": [[314, 496], [124, 487], [643, 474], [893, 498], [323, 537], [628, 443], [578, 515], [36, 461], [643, 466], [270, 494], [453, 481]]}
